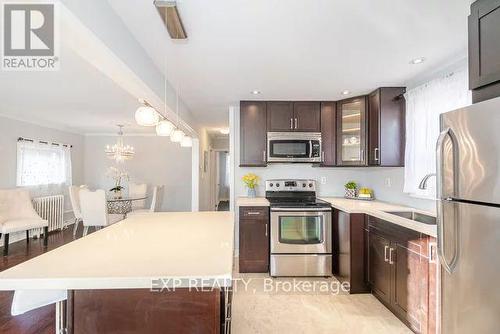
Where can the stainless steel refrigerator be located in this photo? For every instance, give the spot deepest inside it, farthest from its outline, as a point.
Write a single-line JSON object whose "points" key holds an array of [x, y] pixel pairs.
{"points": [[468, 179]]}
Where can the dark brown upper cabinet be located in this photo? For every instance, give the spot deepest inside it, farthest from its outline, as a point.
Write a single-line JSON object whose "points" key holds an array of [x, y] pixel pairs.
{"points": [[293, 116], [307, 116], [386, 127], [253, 134], [484, 50], [351, 132], [328, 133], [280, 116]]}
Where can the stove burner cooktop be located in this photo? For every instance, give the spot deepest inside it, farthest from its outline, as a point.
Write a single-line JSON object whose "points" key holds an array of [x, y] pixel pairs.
{"points": [[292, 203]]}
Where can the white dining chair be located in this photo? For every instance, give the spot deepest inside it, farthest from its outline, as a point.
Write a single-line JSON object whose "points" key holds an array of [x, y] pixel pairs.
{"points": [[156, 200], [94, 210], [137, 190], [17, 214], [74, 196]]}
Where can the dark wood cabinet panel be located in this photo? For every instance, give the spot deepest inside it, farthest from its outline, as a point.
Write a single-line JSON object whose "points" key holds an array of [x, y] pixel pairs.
{"points": [[402, 274], [484, 49], [379, 274], [253, 133], [254, 240], [351, 132], [348, 251], [280, 116], [374, 128], [328, 133], [410, 286], [140, 311], [307, 116], [386, 127]]}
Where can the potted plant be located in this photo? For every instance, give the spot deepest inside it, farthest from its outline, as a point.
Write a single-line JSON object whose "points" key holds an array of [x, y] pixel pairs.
{"points": [[350, 189], [251, 181], [117, 176]]}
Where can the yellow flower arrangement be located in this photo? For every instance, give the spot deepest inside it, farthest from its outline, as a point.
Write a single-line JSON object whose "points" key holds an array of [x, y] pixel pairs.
{"points": [[250, 180]]}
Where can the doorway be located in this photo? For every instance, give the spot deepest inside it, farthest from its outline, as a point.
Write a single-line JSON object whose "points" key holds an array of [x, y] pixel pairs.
{"points": [[220, 179]]}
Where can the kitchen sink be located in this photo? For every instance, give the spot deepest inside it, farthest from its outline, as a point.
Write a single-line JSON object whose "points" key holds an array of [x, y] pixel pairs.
{"points": [[418, 217]]}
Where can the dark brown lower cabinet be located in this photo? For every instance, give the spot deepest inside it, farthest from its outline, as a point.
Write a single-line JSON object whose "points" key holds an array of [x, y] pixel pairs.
{"points": [[379, 271], [348, 252], [254, 240], [401, 273]]}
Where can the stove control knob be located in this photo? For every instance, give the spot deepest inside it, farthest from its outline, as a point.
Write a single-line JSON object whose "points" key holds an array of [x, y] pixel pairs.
{"points": [[277, 185], [270, 184], [310, 185], [303, 185]]}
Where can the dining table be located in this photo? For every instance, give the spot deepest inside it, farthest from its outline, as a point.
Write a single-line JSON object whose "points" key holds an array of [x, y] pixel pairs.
{"points": [[122, 205]]}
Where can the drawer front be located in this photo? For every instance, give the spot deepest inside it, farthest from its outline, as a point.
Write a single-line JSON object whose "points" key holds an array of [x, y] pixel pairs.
{"points": [[254, 212], [411, 240]]}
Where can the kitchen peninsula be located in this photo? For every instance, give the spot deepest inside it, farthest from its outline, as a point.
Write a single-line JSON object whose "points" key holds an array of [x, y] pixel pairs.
{"points": [[112, 276]]}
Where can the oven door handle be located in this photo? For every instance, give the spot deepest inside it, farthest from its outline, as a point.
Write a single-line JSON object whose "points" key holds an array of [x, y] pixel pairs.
{"points": [[310, 149], [302, 209]]}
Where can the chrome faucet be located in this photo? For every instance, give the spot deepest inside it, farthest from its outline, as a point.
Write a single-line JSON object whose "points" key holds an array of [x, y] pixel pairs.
{"points": [[423, 183]]}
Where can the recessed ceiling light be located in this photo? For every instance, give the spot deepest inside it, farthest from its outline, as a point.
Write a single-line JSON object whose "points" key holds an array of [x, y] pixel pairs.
{"points": [[346, 92], [417, 61], [255, 92]]}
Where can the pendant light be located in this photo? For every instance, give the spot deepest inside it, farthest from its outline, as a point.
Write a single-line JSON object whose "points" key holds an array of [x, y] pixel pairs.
{"points": [[176, 136], [164, 128], [145, 115], [186, 142]]}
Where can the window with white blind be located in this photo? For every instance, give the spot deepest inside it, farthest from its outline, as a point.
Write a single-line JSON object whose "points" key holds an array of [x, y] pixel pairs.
{"points": [[424, 104], [42, 164]]}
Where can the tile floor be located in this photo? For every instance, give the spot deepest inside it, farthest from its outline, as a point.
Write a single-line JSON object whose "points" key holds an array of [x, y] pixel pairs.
{"points": [[265, 305]]}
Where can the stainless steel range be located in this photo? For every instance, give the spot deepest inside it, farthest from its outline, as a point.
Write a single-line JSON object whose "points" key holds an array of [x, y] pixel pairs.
{"points": [[301, 228]]}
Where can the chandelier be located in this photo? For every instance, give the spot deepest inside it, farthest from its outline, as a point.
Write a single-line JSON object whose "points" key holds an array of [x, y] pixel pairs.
{"points": [[119, 152]]}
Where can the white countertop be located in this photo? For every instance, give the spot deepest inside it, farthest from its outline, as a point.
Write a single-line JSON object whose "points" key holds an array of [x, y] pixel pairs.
{"points": [[372, 208], [377, 208], [133, 252], [248, 201]]}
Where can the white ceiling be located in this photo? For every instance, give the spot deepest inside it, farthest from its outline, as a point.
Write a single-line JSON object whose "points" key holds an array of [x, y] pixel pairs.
{"points": [[287, 49], [296, 49], [76, 98]]}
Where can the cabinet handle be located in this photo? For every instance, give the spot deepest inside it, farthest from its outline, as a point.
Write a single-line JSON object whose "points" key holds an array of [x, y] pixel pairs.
{"points": [[264, 156], [253, 213], [291, 123], [390, 255], [361, 155], [322, 156], [376, 154], [266, 229], [432, 252], [385, 253], [296, 123]]}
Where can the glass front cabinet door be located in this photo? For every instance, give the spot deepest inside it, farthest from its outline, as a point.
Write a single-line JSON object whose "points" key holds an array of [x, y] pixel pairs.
{"points": [[351, 132]]}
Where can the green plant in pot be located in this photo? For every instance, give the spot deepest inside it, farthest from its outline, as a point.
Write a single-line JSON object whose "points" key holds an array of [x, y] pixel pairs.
{"points": [[350, 189]]}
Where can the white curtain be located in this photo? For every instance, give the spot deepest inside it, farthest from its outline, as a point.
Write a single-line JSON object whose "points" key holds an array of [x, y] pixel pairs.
{"points": [[424, 104], [43, 166]]}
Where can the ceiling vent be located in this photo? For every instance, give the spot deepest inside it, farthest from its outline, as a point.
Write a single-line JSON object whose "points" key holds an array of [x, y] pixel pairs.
{"points": [[170, 16]]}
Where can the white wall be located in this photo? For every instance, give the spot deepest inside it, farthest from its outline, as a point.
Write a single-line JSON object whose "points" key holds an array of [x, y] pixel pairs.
{"points": [[157, 161], [11, 130]]}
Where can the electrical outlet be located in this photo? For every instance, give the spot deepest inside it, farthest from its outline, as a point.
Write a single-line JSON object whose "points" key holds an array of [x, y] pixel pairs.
{"points": [[388, 182], [323, 180]]}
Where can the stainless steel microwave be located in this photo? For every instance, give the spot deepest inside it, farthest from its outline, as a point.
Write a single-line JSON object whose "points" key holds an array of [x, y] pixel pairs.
{"points": [[294, 147]]}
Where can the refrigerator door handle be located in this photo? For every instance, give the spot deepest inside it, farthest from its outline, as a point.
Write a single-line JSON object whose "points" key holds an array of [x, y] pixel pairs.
{"points": [[449, 267]]}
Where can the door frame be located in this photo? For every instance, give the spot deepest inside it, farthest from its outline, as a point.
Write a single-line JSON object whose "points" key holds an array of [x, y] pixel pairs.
{"points": [[214, 176]]}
